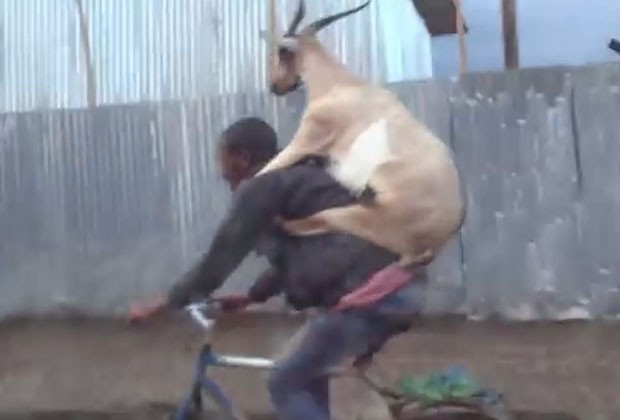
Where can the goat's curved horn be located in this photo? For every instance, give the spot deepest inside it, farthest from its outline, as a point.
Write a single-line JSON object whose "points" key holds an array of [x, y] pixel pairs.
{"points": [[319, 24], [299, 15]]}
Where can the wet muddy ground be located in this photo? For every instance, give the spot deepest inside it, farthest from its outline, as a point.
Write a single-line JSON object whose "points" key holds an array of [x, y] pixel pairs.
{"points": [[157, 414], [87, 369]]}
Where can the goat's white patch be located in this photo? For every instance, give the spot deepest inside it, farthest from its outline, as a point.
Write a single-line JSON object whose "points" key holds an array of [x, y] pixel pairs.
{"points": [[369, 150]]}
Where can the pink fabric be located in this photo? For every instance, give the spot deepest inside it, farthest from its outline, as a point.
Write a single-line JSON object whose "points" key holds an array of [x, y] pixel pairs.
{"points": [[381, 284]]}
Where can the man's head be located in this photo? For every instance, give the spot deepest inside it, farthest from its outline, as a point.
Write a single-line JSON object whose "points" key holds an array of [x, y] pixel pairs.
{"points": [[245, 146]]}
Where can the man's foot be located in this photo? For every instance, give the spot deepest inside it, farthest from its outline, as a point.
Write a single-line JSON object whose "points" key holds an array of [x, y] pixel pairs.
{"points": [[367, 196]]}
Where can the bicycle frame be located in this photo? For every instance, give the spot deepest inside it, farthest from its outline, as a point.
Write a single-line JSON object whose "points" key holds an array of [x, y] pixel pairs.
{"points": [[202, 382], [207, 359]]}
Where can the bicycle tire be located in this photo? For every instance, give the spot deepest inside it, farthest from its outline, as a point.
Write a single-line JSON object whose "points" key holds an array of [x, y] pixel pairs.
{"points": [[219, 409], [223, 412], [203, 414], [452, 410]]}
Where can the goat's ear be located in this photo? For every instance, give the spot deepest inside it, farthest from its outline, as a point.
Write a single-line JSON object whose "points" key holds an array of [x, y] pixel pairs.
{"points": [[269, 38]]}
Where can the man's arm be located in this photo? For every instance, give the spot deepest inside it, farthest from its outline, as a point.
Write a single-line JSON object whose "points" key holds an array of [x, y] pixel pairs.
{"points": [[254, 208], [267, 285]]}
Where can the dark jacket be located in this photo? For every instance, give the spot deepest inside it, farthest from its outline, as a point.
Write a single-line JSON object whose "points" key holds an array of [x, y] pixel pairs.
{"points": [[312, 270]]}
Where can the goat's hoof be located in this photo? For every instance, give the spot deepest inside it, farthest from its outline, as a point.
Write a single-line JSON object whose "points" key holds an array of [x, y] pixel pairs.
{"points": [[367, 196]]}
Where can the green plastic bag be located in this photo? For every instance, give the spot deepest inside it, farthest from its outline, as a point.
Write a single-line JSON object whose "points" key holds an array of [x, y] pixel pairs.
{"points": [[453, 383]]}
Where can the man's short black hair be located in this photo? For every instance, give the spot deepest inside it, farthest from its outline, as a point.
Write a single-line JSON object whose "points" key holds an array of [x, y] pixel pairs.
{"points": [[253, 136]]}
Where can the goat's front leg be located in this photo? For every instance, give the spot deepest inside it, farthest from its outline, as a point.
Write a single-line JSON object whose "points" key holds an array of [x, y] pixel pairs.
{"points": [[287, 157], [308, 226], [312, 138]]}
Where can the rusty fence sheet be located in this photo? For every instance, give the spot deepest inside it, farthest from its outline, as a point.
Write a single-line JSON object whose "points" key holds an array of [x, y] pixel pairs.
{"points": [[99, 207]]}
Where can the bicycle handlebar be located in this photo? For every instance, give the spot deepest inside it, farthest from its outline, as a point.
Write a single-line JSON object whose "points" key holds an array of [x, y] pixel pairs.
{"points": [[201, 311]]}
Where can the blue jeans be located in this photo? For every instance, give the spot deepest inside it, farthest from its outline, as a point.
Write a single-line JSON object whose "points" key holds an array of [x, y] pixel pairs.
{"points": [[299, 385]]}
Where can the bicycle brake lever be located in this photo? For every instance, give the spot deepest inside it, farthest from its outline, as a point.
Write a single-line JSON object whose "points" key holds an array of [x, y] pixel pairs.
{"points": [[195, 310]]}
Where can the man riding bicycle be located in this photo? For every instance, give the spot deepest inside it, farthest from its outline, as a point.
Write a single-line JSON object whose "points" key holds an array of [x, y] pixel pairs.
{"points": [[364, 298]]}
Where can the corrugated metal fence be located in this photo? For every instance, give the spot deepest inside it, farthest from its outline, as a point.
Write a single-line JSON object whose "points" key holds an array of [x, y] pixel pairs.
{"points": [[99, 207], [153, 50]]}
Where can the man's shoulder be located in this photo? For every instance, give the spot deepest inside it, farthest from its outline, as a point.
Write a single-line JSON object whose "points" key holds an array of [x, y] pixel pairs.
{"points": [[311, 168], [308, 166], [306, 172], [282, 185]]}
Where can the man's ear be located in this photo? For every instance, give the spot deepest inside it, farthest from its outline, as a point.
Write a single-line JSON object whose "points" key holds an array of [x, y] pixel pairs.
{"points": [[245, 159]]}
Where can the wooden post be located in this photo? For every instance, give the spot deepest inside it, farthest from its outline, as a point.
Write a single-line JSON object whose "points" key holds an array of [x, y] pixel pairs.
{"points": [[460, 30], [511, 39], [91, 87], [614, 45], [272, 32]]}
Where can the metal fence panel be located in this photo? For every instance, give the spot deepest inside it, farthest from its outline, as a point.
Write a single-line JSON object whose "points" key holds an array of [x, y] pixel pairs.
{"points": [[99, 207], [158, 50]]}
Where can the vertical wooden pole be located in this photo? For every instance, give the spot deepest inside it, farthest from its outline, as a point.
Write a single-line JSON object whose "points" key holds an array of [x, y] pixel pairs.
{"points": [[91, 87], [460, 30], [272, 32], [273, 29], [614, 45], [511, 39]]}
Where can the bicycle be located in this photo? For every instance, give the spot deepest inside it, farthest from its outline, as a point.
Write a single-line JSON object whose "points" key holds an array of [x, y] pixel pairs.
{"points": [[401, 405]]}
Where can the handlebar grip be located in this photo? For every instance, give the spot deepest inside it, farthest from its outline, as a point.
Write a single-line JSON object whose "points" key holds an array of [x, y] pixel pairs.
{"points": [[200, 313], [200, 318], [614, 45]]}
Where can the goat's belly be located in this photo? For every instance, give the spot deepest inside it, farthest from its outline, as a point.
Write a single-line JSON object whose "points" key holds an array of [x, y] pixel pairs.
{"points": [[410, 231], [398, 186], [424, 220], [418, 204], [421, 212], [411, 210]]}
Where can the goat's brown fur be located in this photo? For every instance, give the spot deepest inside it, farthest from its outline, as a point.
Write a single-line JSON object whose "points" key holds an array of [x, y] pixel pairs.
{"points": [[418, 204]]}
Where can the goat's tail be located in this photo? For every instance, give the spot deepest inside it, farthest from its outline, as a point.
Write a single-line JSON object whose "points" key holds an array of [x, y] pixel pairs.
{"points": [[462, 221]]}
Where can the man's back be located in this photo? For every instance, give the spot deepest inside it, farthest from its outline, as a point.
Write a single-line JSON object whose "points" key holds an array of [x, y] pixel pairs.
{"points": [[314, 270], [319, 270]]}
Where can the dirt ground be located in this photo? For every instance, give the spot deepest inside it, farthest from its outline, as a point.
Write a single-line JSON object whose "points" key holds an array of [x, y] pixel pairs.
{"points": [[95, 366]]}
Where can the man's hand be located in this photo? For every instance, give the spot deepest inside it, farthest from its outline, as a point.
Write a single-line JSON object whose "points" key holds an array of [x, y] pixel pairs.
{"points": [[142, 311], [232, 303]]}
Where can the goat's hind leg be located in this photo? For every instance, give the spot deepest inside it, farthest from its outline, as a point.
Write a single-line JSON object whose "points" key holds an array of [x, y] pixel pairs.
{"points": [[359, 220], [366, 222], [315, 224]]}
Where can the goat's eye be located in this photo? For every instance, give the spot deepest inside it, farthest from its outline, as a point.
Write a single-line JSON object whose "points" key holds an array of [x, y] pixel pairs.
{"points": [[285, 53]]}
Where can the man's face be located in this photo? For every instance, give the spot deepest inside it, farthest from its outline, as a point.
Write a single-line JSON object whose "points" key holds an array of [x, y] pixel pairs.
{"points": [[235, 166]]}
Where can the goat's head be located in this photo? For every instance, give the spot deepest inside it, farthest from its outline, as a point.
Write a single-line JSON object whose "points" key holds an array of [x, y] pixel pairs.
{"points": [[286, 60]]}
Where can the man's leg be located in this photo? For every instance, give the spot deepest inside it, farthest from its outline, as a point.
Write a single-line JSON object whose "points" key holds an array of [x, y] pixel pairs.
{"points": [[299, 385], [319, 389]]}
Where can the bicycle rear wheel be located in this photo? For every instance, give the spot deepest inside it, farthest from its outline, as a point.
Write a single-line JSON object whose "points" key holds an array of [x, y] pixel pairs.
{"points": [[452, 410]]}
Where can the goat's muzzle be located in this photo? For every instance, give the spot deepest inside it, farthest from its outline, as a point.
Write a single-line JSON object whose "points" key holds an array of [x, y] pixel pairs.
{"points": [[283, 90]]}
